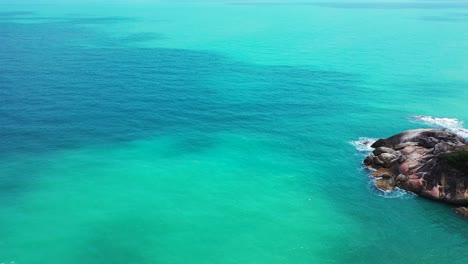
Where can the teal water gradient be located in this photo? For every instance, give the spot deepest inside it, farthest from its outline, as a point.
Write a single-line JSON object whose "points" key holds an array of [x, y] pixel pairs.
{"points": [[219, 132]]}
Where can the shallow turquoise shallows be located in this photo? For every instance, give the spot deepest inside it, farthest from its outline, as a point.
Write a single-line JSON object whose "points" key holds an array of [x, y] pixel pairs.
{"points": [[222, 131]]}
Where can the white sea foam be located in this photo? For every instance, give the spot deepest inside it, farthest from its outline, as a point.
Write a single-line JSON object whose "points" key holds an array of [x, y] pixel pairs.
{"points": [[451, 124], [364, 144], [395, 193]]}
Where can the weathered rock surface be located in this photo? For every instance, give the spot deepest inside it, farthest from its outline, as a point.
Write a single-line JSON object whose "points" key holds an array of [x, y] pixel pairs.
{"points": [[429, 162], [386, 184]]}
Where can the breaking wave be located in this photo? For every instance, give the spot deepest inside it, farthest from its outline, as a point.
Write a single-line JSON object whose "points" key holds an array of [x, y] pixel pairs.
{"points": [[364, 144], [451, 124]]}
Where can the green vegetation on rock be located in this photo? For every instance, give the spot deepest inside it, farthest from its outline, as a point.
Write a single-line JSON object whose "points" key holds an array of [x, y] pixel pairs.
{"points": [[457, 159]]}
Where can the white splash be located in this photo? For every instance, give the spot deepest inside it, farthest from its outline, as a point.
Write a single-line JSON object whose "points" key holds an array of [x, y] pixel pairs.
{"points": [[395, 193], [364, 144], [451, 124]]}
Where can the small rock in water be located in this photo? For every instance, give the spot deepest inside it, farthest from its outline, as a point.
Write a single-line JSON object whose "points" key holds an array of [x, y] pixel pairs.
{"points": [[382, 172], [463, 211], [385, 184]]}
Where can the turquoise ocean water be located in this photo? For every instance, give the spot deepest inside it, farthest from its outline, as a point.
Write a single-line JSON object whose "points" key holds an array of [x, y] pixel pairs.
{"points": [[222, 131]]}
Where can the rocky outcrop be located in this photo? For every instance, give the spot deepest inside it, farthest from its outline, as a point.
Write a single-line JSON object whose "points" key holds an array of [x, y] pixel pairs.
{"points": [[429, 162]]}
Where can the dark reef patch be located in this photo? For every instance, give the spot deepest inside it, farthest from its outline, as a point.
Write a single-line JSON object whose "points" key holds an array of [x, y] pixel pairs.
{"points": [[62, 89]]}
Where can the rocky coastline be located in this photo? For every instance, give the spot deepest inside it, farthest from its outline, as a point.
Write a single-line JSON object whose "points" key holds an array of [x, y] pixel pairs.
{"points": [[431, 163]]}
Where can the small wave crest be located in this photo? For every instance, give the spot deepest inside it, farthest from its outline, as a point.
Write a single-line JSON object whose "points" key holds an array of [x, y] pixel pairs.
{"points": [[451, 124], [364, 144]]}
